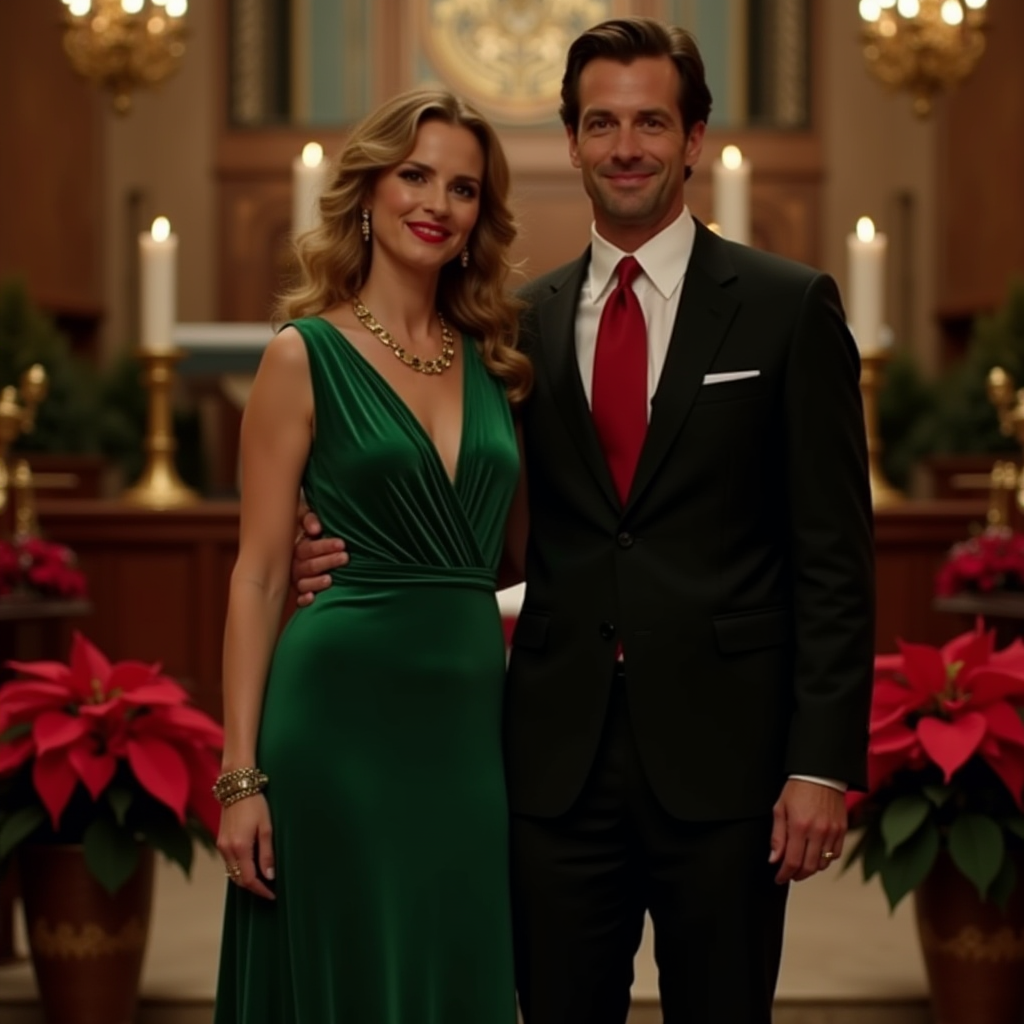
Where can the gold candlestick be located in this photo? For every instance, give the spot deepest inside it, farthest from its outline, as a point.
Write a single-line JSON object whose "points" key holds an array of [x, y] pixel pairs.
{"points": [[160, 487], [872, 373]]}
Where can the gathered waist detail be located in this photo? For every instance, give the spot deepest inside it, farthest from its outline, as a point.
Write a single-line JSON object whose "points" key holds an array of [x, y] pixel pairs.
{"points": [[366, 571]]}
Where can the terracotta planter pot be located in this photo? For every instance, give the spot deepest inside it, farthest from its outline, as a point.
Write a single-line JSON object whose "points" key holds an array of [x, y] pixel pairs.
{"points": [[87, 946], [973, 952]]}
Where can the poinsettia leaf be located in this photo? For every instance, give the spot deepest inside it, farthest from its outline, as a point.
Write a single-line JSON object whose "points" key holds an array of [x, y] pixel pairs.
{"points": [[977, 847], [937, 794], [171, 839], [902, 818], [161, 771], [1014, 825], [94, 769], [970, 649], [15, 732], [19, 826], [46, 670], [1005, 882], [111, 853], [874, 853], [1004, 722], [120, 799], [54, 780], [14, 754], [908, 866], [989, 684], [924, 668], [54, 730], [90, 668], [951, 744]]}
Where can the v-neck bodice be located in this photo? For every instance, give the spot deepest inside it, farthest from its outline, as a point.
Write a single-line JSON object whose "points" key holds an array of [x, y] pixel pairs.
{"points": [[375, 478]]}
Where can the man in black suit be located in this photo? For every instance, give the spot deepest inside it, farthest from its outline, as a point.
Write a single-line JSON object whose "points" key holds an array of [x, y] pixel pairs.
{"points": [[691, 670]]}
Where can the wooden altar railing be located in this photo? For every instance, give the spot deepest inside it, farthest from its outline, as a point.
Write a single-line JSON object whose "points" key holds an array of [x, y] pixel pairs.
{"points": [[159, 580]]}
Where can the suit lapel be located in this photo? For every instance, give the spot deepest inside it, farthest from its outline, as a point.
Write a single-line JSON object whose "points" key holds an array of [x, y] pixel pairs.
{"points": [[706, 309], [556, 316]]}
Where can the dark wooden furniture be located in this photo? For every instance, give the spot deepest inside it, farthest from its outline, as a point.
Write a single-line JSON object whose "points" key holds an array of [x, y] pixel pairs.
{"points": [[1002, 612]]}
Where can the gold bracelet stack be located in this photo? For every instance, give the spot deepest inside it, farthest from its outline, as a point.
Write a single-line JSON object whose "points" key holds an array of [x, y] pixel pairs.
{"points": [[238, 784]]}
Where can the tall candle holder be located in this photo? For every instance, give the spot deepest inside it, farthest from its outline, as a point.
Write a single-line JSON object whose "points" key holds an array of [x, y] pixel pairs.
{"points": [[18, 407], [160, 487], [872, 373]]}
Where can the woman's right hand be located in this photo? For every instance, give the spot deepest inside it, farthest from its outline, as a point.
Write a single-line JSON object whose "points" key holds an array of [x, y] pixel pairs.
{"points": [[245, 835]]}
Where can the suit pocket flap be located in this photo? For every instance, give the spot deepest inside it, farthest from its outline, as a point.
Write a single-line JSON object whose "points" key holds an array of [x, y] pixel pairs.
{"points": [[531, 630], [750, 631]]}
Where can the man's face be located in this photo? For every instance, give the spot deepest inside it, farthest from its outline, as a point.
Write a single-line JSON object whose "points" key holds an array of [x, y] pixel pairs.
{"points": [[631, 147]]}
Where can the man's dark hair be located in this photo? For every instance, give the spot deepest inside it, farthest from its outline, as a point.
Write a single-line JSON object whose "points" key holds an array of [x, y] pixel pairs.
{"points": [[625, 39]]}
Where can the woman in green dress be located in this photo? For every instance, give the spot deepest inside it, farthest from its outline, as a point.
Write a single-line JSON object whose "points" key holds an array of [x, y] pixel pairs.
{"points": [[369, 874]]}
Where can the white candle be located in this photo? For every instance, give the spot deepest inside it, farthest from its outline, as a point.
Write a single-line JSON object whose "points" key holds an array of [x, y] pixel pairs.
{"points": [[731, 178], [309, 175], [865, 250], [158, 254]]}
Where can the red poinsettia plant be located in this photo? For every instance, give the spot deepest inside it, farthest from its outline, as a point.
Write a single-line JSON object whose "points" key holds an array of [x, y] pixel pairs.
{"points": [[106, 755], [991, 561], [945, 766], [33, 566]]}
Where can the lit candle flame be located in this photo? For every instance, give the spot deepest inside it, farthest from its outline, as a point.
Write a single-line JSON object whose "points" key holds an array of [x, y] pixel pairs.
{"points": [[312, 154], [161, 229], [865, 229], [732, 157]]}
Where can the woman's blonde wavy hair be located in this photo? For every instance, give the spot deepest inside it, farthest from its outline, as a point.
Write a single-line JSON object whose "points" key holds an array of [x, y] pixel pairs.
{"points": [[334, 260]]}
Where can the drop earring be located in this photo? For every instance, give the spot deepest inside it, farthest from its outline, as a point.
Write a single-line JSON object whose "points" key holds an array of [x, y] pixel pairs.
{"points": [[464, 258], [365, 228]]}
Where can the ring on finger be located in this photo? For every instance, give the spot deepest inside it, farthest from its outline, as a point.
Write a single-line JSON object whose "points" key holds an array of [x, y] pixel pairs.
{"points": [[234, 872], [827, 855]]}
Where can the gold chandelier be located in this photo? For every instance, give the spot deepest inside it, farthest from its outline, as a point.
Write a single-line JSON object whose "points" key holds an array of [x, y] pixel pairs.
{"points": [[922, 46], [123, 45]]}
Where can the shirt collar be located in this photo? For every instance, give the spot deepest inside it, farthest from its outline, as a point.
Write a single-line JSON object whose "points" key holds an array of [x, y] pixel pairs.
{"points": [[664, 257]]}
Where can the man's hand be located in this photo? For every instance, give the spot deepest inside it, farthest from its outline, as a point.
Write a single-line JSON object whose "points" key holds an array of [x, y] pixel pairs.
{"points": [[809, 821], [313, 559]]}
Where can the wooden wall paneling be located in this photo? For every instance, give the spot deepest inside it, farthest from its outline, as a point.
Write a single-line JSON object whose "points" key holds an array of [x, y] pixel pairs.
{"points": [[980, 166], [52, 139]]}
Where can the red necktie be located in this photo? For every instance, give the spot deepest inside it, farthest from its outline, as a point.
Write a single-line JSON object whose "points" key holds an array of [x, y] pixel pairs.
{"points": [[619, 390]]}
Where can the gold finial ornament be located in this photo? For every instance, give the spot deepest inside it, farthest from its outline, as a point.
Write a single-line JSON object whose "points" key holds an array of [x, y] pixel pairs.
{"points": [[18, 407], [1006, 478]]}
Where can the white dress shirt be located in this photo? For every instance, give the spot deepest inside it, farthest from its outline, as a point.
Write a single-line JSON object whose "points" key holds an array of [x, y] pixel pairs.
{"points": [[663, 260]]}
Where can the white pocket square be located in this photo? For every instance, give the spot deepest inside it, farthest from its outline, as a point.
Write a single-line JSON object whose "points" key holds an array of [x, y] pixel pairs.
{"points": [[724, 378]]}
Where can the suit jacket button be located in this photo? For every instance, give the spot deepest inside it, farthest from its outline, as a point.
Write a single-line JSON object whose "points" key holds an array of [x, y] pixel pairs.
{"points": [[625, 539], [607, 630]]}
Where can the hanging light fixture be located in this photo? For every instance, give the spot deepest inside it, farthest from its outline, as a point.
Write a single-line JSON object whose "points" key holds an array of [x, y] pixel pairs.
{"points": [[923, 47], [123, 45]]}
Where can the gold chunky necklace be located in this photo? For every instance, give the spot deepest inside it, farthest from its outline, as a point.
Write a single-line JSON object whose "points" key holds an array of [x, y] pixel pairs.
{"points": [[438, 365]]}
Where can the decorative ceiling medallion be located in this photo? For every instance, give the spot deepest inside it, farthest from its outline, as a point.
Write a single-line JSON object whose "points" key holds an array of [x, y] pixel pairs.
{"points": [[507, 56]]}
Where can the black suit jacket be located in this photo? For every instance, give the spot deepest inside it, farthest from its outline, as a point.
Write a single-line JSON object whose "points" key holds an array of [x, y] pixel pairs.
{"points": [[738, 577]]}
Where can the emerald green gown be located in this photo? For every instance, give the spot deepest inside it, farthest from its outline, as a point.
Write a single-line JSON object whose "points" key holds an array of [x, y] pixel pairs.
{"points": [[381, 729]]}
